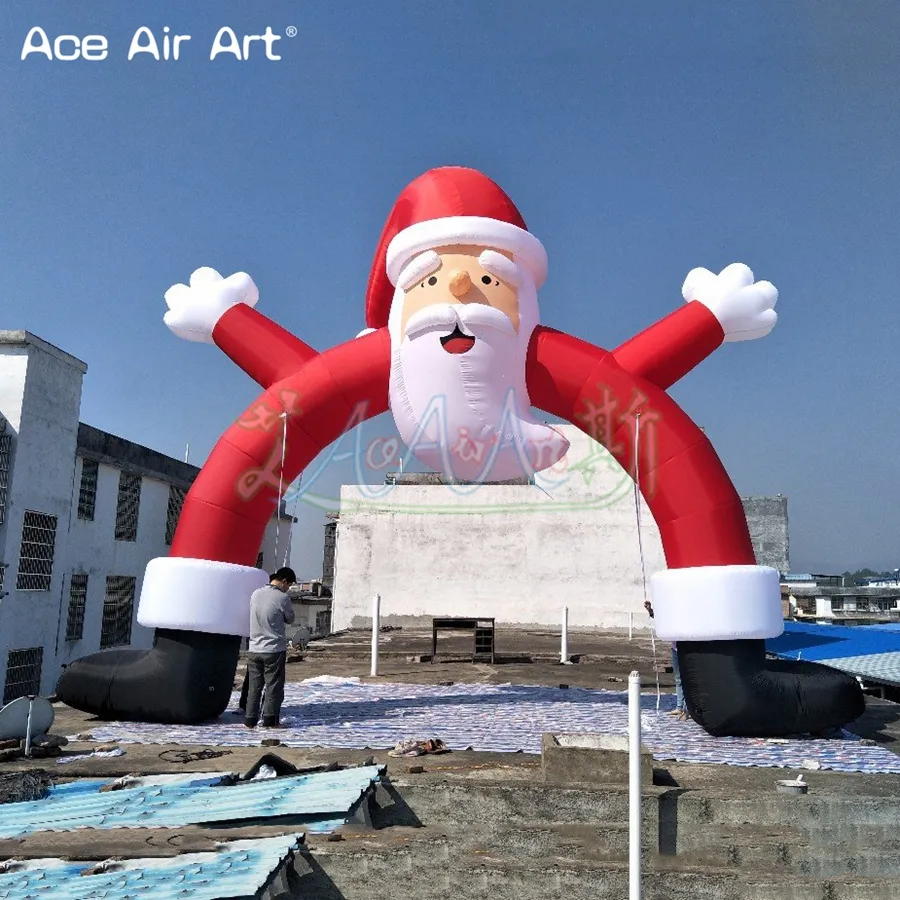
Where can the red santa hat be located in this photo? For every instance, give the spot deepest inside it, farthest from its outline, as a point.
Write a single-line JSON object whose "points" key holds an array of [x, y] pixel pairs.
{"points": [[450, 205]]}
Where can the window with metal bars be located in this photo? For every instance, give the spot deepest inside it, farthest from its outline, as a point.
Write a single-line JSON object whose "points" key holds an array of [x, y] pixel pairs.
{"points": [[323, 622], [87, 492], [118, 609], [173, 513], [77, 604], [128, 506], [5, 459], [23, 673], [36, 552]]}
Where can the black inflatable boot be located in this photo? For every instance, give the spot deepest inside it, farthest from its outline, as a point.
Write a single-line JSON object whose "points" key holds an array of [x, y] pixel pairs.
{"points": [[720, 617], [200, 609], [731, 689], [186, 677]]}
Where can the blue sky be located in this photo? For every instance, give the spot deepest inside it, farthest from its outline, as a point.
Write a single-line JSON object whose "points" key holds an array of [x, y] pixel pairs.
{"points": [[639, 140]]}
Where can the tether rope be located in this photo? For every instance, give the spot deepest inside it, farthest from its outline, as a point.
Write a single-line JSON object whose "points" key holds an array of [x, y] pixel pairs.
{"points": [[637, 511]]}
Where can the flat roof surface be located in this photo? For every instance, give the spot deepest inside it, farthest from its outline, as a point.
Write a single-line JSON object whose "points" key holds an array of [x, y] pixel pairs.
{"points": [[23, 338]]}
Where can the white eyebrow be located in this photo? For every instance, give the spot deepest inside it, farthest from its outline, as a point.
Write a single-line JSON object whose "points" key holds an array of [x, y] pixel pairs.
{"points": [[417, 268], [501, 266]]}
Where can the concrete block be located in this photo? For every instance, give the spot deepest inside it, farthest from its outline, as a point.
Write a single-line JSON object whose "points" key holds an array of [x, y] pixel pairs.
{"points": [[590, 759]]}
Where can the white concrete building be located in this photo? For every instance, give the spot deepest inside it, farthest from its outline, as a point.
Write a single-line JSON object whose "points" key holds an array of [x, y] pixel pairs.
{"points": [[81, 514], [312, 609], [825, 600], [517, 553]]}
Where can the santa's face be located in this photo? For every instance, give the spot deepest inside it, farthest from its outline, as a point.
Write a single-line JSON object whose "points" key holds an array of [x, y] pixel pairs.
{"points": [[462, 278], [460, 326]]}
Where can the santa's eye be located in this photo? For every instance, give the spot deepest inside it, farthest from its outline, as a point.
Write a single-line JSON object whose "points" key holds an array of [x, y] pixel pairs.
{"points": [[486, 279], [432, 281]]}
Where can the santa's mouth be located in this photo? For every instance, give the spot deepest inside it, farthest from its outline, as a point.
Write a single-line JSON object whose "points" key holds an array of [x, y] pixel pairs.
{"points": [[457, 342]]}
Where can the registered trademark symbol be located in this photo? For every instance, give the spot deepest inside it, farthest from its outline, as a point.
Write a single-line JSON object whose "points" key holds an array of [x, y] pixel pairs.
{"points": [[290, 31]]}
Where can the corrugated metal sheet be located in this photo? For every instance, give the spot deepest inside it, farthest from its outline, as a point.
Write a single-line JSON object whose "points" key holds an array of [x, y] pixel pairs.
{"points": [[326, 796], [239, 869], [92, 785], [878, 667]]}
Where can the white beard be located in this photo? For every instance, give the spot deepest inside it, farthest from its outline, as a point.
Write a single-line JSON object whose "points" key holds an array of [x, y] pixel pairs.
{"points": [[468, 415]]}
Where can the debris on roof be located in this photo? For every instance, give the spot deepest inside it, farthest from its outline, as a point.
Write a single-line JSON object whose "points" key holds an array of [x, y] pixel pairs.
{"points": [[18, 787]]}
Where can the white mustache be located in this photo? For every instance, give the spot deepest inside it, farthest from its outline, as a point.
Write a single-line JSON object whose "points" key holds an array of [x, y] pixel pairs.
{"points": [[447, 315]]}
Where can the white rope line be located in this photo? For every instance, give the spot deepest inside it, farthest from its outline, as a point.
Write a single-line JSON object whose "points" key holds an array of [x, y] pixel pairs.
{"points": [[287, 547], [283, 418], [637, 512]]}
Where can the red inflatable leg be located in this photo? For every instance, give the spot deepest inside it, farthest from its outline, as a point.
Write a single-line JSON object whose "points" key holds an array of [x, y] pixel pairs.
{"points": [[693, 501], [197, 599], [713, 600], [231, 502]]}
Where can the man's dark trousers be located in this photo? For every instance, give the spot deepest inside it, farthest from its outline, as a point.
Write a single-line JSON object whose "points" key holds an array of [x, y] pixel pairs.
{"points": [[245, 687], [265, 669]]}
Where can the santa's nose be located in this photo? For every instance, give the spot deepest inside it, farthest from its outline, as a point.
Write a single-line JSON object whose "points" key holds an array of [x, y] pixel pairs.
{"points": [[460, 282]]}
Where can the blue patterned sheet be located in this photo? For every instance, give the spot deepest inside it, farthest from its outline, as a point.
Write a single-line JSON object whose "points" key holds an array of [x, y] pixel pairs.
{"points": [[505, 718]]}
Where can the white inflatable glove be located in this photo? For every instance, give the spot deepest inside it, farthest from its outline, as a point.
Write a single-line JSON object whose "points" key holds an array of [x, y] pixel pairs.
{"points": [[745, 309], [194, 311]]}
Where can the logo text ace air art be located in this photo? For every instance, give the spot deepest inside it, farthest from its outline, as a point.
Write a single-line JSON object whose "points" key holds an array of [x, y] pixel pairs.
{"points": [[167, 46]]}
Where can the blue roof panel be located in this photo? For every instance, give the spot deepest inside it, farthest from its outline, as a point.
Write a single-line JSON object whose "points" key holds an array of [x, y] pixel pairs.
{"points": [[821, 642], [321, 796], [238, 869], [871, 653]]}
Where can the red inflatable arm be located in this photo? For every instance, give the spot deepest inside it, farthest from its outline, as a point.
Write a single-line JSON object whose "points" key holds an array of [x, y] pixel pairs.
{"points": [[665, 352], [264, 350], [323, 395]]}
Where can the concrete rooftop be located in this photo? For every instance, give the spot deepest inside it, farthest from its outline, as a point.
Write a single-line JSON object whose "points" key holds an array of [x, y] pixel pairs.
{"points": [[476, 807]]}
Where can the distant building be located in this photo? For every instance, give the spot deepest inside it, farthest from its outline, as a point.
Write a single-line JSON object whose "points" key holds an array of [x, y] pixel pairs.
{"points": [[767, 518], [882, 581], [516, 552], [312, 607], [824, 599], [330, 549], [81, 514]]}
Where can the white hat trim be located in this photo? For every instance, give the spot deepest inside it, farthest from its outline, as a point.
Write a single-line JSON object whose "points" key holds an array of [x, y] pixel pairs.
{"points": [[198, 595], [477, 230], [717, 603]]}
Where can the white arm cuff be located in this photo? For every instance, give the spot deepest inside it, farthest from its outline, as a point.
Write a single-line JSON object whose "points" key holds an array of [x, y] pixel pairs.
{"points": [[198, 595], [717, 603]]}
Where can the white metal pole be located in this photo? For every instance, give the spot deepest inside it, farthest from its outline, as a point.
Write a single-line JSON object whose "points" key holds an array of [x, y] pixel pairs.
{"points": [[634, 786], [564, 649], [28, 727], [187, 453], [376, 627], [630, 624]]}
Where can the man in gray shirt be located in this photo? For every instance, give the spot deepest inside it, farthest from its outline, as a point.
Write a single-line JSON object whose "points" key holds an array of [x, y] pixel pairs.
{"points": [[270, 612]]}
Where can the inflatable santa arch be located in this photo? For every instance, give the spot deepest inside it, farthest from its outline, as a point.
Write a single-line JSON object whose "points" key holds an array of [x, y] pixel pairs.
{"points": [[455, 350]]}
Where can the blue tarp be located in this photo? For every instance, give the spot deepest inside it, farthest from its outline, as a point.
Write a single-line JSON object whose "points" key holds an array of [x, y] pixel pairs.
{"points": [[820, 642]]}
